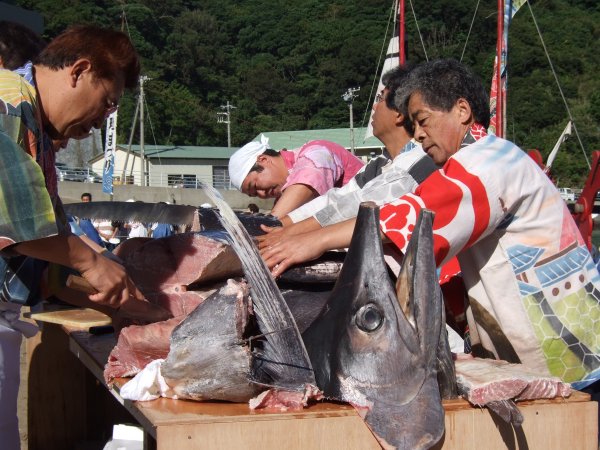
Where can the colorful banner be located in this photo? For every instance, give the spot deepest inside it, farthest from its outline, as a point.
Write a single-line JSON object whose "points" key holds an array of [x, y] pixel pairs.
{"points": [[109, 153], [510, 9]]}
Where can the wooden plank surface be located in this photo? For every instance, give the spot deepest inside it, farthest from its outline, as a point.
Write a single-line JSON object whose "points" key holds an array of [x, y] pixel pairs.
{"points": [[66, 405], [81, 318], [330, 433], [558, 423], [570, 423]]}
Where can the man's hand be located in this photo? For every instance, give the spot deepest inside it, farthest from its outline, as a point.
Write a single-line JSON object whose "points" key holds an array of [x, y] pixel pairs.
{"points": [[275, 234], [107, 277], [292, 250], [112, 283], [298, 248]]}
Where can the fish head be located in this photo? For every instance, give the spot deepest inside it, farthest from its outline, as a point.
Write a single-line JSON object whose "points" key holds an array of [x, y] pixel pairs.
{"points": [[375, 344]]}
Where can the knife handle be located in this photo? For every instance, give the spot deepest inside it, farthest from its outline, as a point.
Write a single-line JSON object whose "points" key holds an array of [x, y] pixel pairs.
{"points": [[80, 284]]}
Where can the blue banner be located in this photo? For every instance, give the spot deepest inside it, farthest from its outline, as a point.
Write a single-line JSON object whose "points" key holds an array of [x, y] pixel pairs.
{"points": [[109, 153]]}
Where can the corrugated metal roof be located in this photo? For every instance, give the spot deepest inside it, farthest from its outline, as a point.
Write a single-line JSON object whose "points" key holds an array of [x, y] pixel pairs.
{"points": [[277, 140], [295, 139], [183, 151]]}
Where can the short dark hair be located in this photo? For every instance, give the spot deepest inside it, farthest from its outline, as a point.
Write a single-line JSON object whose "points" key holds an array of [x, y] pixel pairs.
{"points": [[394, 79], [86, 194], [442, 82], [110, 52], [257, 167], [253, 207], [18, 44]]}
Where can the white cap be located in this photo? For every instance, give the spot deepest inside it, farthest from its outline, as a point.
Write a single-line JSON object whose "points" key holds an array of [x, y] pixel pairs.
{"points": [[242, 161]]}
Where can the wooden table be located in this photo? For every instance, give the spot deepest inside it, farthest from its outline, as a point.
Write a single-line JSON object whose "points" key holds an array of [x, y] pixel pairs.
{"points": [[71, 406]]}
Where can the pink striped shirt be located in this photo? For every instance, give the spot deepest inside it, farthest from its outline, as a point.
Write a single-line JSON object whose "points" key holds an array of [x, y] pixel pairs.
{"points": [[321, 165]]}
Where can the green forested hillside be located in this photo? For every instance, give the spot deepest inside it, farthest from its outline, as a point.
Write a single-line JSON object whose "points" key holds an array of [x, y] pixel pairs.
{"points": [[285, 64]]}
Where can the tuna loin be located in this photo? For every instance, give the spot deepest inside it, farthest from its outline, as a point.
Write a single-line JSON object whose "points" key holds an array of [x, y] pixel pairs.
{"points": [[137, 346], [482, 381], [171, 264], [164, 269]]}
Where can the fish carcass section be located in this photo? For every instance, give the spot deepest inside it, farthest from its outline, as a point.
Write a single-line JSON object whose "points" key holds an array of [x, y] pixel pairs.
{"points": [[164, 269], [367, 340]]}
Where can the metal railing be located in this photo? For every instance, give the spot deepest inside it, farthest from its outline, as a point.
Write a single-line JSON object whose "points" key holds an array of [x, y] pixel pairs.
{"points": [[174, 180]]}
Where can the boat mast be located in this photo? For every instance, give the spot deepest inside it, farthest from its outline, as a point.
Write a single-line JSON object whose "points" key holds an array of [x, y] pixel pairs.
{"points": [[402, 58], [142, 152], [499, 58]]}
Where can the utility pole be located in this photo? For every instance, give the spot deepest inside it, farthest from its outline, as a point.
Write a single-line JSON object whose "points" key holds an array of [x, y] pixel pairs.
{"points": [[225, 117], [349, 97], [143, 79]]}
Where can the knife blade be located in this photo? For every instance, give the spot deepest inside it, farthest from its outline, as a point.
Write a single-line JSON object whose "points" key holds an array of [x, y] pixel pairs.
{"points": [[134, 212], [199, 218]]}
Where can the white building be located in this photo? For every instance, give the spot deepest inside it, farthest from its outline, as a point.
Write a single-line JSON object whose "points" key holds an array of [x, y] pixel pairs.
{"points": [[185, 166], [170, 165]]}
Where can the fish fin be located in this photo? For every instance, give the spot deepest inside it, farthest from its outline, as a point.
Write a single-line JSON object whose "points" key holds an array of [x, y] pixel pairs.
{"points": [[446, 374], [283, 359]]}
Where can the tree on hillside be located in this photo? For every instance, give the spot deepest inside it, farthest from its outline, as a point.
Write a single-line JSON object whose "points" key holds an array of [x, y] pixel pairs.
{"points": [[285, 65]]}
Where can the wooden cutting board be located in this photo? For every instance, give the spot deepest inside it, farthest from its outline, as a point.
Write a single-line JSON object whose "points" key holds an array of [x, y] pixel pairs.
{"points": [[77, 318]]}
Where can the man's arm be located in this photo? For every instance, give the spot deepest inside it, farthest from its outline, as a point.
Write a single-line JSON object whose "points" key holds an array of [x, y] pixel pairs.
{"points": [[403, 176], [291, 198], [331, 197], [307, 246], [275, 234], [335, 195], [107, 277]]}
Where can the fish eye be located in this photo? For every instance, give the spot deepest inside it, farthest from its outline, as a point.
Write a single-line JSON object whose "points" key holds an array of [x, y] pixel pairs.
{"points": [[368, 318]]}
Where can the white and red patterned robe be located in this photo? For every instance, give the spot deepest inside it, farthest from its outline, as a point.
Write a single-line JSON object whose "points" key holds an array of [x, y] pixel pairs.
{"points": [[533, 288]]}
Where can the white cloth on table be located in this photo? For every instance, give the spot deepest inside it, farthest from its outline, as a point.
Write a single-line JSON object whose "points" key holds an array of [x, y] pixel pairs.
{"points": [[148, 384]]}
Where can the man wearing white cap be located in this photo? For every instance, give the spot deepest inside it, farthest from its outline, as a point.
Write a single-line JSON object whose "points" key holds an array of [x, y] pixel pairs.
{"points": [[293, 177]]}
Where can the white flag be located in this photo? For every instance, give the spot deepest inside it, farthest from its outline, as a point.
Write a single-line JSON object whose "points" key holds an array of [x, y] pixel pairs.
{"points": [[566, 133]]}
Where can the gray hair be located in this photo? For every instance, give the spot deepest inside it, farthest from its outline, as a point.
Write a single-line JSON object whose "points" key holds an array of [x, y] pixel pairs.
{"points": [[442, 83]]}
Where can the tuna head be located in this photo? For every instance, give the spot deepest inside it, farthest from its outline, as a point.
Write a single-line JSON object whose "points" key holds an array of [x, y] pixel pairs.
{"points": [[375, 345]]}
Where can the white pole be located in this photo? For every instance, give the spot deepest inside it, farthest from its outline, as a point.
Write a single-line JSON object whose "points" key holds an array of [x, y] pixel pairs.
{"points": [[142, 156], [351, 129], [228, 126], [225, 117], [349, 97]]}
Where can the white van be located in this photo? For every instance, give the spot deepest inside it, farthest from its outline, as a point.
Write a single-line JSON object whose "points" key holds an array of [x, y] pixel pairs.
{"points": [[567, 194]]}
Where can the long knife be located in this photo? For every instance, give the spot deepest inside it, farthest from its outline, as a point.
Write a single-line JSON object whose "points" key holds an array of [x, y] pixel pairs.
{"points": [[134, 212], [202, 218]]}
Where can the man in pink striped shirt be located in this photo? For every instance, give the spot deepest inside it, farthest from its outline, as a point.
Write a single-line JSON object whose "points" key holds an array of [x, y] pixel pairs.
{"points": [[293, 177]]}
